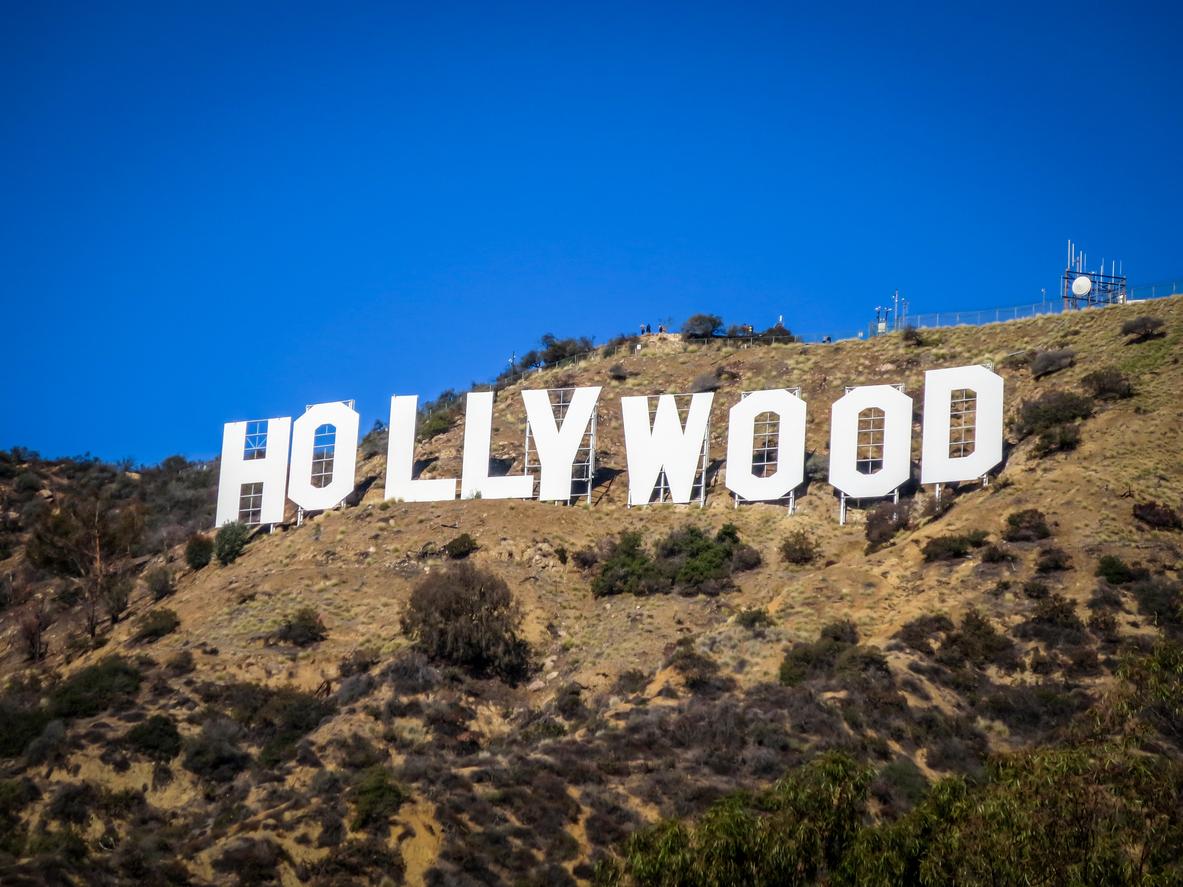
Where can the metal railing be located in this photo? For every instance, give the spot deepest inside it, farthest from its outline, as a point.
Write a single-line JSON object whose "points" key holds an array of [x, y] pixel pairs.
{"points": [[1158, 290], [983, 316]]}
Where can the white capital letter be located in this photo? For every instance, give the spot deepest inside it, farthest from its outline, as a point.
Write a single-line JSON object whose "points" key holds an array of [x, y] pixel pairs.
{"points": [[556, 446], [263, 459], [894, 451], [666, 446], [324, 456], [985, 429], [790, 451], [400, 458], [478, 432]]}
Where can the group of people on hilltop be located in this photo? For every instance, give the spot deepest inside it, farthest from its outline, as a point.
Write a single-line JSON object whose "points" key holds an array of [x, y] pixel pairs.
{"points": [[647, 330]]}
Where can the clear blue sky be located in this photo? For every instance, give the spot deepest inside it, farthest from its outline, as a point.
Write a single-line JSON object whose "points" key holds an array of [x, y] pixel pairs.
{"points": [[225, 211]]}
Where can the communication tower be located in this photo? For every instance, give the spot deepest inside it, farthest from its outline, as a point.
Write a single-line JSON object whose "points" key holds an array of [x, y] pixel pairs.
{"points": [[1081, 288]]}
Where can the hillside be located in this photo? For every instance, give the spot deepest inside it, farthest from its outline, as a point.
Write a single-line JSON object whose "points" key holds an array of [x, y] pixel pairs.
{"points": [[356, 758]]}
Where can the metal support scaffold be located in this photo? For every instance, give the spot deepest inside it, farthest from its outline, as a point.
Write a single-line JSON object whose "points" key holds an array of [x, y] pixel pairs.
{"points": [[766, 451], [868, 450], [662, 488], [583, 469]]}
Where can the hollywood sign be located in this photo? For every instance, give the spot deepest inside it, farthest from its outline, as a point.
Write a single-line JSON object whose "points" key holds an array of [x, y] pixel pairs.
{"points": [[313, 460]]}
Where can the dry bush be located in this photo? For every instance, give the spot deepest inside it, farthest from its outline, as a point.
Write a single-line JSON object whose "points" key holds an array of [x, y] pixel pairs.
{"points": [[467, 616], [1044, 363], [1158, 515], [1029, 525], [885, 520], [799, 547], [1142, 329], [1108, 383]]}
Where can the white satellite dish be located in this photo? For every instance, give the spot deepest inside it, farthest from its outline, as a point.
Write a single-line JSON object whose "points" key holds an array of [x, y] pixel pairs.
{"points": [[1082, 286]]}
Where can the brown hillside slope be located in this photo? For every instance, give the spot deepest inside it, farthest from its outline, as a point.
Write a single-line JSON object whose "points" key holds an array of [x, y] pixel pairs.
{"points": [[356, 567]]}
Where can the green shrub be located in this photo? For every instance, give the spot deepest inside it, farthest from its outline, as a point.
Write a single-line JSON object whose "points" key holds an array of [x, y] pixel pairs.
{"points": [[199, 551], [116, 596], [156, 738], [302, 629], [805, 660], [1108, 383], [689, 559], [230, 541], [1049, 410], [976, 642], [19, 725], [376, 797], [95, 689], [435, 424], [277, 717], [754, 618], [1029, 525], [792, 834], [627, 568], [460, 547], [943, 548], [1115, 571], [468, 617], [155, 624], [160, 583], [799, 547]]}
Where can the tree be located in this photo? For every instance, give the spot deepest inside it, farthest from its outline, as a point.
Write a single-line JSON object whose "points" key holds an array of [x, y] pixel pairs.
{"points": [[88, 540], [702, 326]]}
